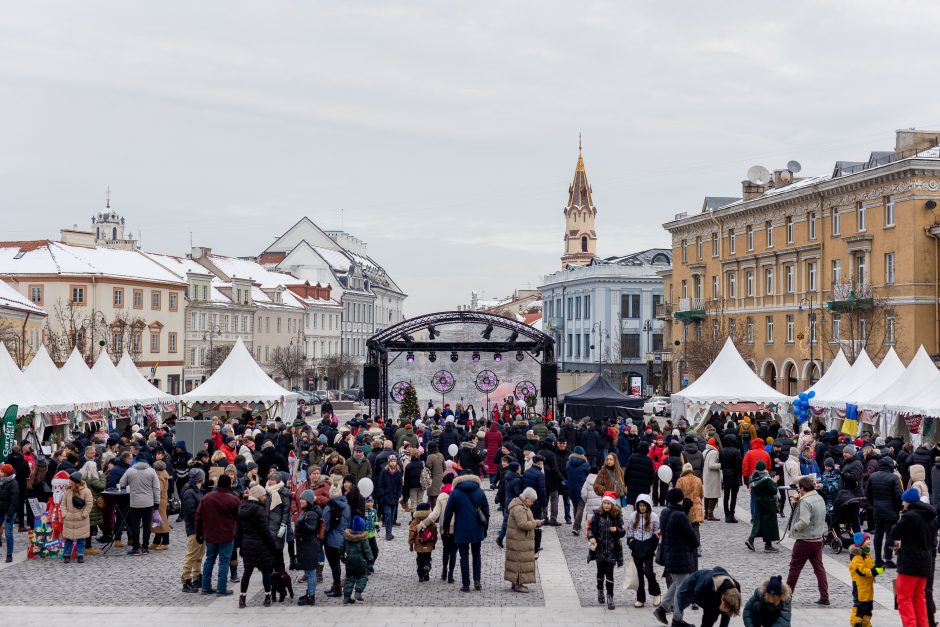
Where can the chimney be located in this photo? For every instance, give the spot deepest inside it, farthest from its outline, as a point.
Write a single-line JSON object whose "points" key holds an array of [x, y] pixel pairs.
{"points": [[199, 252], [750, 190], [782, 178], [910, 141], [77, 237]]}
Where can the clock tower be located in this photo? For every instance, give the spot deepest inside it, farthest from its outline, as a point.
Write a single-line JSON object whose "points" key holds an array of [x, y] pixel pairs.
{"points": [[580, 237]]}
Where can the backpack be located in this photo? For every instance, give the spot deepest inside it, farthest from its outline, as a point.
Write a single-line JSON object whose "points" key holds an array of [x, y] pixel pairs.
{"points": [[425, 478], [426, 536]]}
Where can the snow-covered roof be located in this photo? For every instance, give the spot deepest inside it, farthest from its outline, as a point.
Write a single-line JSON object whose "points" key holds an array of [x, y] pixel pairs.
{"points": [[338, 260], [11, 299], [146, 392], [919, 376], [729, 380], [239, 380], [835, 396], [44, 257], [233, 267]]}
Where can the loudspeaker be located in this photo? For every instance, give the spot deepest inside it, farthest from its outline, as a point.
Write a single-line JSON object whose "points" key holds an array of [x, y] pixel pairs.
{"points": [[370, 381], [549, 381]]}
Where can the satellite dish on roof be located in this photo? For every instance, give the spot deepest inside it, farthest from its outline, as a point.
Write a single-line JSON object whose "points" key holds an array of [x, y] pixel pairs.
{"points": [[758, 174], [794, 166]]}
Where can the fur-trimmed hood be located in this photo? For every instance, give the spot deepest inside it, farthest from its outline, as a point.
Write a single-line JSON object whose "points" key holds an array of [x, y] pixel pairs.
{"points": [[421, 514], [465, 479], [785, 592], [355, 537]]}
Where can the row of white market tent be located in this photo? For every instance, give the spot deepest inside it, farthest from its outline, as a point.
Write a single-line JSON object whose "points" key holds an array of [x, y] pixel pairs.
{"points": [[75, 394], [887, 400]]}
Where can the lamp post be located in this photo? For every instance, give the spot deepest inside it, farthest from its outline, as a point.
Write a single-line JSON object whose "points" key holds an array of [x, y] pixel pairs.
{"points": [[812, 332], [648, 327], [214, 332], [599, 328]]}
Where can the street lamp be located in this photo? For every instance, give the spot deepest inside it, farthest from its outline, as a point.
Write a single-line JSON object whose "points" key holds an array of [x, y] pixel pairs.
{"points": [[812, 331], [208, 336], [648, 328], [601, 333]]}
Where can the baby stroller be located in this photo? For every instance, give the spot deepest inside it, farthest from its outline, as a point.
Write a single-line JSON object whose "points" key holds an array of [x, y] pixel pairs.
{"points": [[840, 520]]}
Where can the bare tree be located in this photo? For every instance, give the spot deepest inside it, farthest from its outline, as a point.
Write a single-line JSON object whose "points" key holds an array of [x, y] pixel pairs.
{"points": [[287, 362], [338, 366], [127, 332], [216, 356], [705, 338], [72, 326], [857, 320], [18, 343]]}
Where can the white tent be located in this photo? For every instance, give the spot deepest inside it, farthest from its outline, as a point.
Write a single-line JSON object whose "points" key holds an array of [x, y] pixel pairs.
{"points": [[927, 403], [122, 393], [15, 388], [146, 392], [920, 376], [56, 387], [728, 380], [835, 396], [79, 377], [877, 384], [838, 369], [241, 380]]}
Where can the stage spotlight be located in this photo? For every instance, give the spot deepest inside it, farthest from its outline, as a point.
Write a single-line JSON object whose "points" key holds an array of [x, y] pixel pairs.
{"points": [[497, 357], [453, 356], [410, 357], [476, 357], [432, 357], [487, 331], [519, 356]]}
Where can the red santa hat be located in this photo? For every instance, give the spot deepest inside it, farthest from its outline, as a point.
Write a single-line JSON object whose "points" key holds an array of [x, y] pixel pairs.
{"points": [[611, 497], [60, 479]]}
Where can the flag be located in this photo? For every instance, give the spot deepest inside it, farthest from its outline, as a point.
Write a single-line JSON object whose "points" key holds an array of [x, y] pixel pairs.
{"points": [[8, 435]]}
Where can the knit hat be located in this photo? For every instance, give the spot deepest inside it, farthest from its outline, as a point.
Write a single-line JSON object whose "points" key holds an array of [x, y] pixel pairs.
{"points": [[775, 585], [610, 497], [578, 450], [850, 449], [225, 481], [911, 495], [829, 463], [513, 467], [859, 538], [358, 524], [674, 495], [712, 442], [879, 441], [7, 469], [859, 442], [687, 467], [76, 477], [256, 492], [321, 438], [423, 507], [197, 475], [231, 468], [307, 495], [760, 465], [267, 444]]}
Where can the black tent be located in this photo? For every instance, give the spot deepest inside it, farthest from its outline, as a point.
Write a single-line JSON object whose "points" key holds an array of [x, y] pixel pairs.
{"points": [[599, 399]]}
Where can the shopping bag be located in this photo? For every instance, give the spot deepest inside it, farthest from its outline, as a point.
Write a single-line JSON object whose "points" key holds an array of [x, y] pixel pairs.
{"points": [[631, 580]]}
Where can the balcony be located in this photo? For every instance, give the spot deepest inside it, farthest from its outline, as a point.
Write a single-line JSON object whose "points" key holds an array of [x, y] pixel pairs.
{"points": [[690, 310], [851, 296], [663, 311]]}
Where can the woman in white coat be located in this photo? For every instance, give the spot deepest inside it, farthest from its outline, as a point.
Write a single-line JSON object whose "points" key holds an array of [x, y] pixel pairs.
{"points": [[711, 478], [591, 500]]}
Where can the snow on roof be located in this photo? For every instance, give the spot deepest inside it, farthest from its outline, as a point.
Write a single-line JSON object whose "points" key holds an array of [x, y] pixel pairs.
{"points": [[245, 269], [338, 260], [20, 258], [11, 299], [239, 380]]}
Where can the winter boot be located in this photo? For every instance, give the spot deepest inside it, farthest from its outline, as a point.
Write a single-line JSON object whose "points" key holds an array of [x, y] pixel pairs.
{"points": [[233, 572], [600, 596], [197, 582], [335, 591], [319, 573], [359, 597], [267, 600], [241, 601], [348, 600], [188, 586], [610, 602]]}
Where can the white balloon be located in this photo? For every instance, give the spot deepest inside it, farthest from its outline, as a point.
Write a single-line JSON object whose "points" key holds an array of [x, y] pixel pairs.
{"points": [[430, 413], [452, 449], [365, 487], [665, 473]]}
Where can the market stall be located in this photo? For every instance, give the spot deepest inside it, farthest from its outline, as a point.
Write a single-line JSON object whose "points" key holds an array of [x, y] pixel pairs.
{"points": [[599, 399]]}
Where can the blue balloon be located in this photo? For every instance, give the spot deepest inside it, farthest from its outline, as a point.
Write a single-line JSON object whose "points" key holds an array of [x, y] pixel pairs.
{"points": [[811, 393], [802, 396]]}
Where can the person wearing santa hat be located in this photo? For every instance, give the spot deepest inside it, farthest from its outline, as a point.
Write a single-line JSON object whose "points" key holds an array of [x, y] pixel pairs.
{"points": [[605, 530], [9, 498]]}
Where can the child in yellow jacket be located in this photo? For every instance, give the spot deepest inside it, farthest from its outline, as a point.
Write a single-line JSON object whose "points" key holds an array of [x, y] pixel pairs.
{"points": [[863, 572]]}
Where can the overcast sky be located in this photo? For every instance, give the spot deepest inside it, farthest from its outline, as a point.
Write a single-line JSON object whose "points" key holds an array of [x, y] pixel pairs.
{"points": [[445, 132]]}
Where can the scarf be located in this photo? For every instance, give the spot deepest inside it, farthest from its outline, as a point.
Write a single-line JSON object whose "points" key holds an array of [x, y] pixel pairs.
{"points": [[275, 492]]}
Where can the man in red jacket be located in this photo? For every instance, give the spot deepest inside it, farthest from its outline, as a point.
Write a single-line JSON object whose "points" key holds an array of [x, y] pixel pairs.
{"points": [[216, 521]]}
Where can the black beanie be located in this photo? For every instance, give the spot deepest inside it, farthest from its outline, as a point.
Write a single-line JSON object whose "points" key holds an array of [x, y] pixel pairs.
{"points": [[225, 481], [674, 495]]}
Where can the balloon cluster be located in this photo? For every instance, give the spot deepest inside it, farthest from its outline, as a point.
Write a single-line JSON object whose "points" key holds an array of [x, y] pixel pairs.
{"points": [[801, 406]]}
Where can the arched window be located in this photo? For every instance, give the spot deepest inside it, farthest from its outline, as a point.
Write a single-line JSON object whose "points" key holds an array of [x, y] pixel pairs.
{"points": [[114, 233], [584, 243]]}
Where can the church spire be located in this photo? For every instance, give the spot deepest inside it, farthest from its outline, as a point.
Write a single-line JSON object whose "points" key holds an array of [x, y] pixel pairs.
{"points": [[580, 237]]}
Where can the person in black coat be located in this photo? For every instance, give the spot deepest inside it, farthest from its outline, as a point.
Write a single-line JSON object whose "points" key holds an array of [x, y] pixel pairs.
{"points": [[9, 501], [21, 468], [638, 473], [730, 460], [190, 498], [884, 497], [590, 441], [553, 478], [605, 530], [470, 457], [448, 436], [680, 546], [534, 478], [916, 532], [510, 486], [269, 459], [257, 543], [308, 544]]}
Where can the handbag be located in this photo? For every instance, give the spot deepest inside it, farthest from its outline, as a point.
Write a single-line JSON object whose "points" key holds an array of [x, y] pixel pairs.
{"points": [[174, 505], [631, 579], [78, 502], [100, 503], [157, 520], [481, 518]]}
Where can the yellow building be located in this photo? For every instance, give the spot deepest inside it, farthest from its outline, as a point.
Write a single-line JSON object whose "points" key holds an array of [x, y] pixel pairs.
{"points": [[20, 324], [800, 267]]}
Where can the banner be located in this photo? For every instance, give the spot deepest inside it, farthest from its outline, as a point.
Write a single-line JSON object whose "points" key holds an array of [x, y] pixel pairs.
{"points": [[8, 435]]}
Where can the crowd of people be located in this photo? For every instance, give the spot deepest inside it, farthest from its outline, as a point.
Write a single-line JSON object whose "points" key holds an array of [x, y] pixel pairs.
{"points": [[325, 493]]}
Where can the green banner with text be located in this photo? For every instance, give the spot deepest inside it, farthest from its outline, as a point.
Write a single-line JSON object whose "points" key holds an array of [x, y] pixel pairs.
{"points": [[8, 435]]}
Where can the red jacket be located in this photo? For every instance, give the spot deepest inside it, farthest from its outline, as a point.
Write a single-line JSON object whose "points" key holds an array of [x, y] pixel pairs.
{"points": [[492, 441], [756, 454], [658, 453], [217, 516]]}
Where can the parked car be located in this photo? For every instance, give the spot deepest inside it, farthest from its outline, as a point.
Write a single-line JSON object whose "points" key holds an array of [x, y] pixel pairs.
{"points": [[658, 405], [351, 394], [333, 395], [316, 396]]}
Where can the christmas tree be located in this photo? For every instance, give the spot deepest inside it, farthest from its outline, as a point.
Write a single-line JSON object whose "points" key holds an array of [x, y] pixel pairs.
{"points": [[409, 405]]}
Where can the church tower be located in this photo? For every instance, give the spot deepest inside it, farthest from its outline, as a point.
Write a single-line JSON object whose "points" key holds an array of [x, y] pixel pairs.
{"points": [[109, 229], [580, 237]]}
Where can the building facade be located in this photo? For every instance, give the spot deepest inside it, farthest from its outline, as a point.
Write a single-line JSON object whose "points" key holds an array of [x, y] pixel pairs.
{"points": [[580, 212], [800, 267], [21, 322]]}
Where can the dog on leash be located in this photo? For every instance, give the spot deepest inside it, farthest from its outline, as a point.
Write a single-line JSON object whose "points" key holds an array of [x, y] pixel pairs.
{"points": [[281, 586]]}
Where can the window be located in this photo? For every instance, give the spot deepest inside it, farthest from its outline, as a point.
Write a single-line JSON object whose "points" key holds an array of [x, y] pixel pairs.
{"points": [[35, 294], [587, 307], [749, 232], [174, 301], [749, 283], [714, 244], [836, 222], [836, 271], [587, 346], [889, 329], [267, 325], [194, 356], [889, 211], [138, 299], [570, 342], [863, 331], [716, 287], [154, 341], [584, 243], [78, 295], [769, 323], [861, 216], [204, 319], [836, 327], [731, 246], [789, 328], [577, 345], [137, 341], [577, 307], [789, 229], [811, 275], [750, 330], [118, 297], [812, 328], [860, 267], [789, 279], [685, 250], [889, 268], [630, 346], [630, 303], [698, 247], [770, 234], [171, 342], [732, 285], [768, 281], [811, 224], [715, 327], [193, 320], [570, 307]]}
